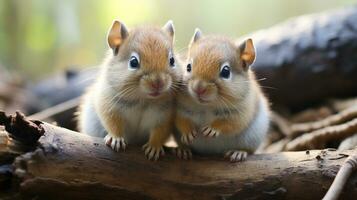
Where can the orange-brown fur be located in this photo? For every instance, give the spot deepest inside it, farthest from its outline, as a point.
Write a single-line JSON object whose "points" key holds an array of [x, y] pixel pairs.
{"points": [[122, 97], [159, 135], [206, 65], [240, 95], [236, 122]]}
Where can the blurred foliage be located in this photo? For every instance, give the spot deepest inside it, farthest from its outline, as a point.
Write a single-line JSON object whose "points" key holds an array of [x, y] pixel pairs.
{"points": [[38, 37]]}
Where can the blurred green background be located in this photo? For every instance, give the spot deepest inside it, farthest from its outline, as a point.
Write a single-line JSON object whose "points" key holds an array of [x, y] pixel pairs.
{"points": [[38, 37]]}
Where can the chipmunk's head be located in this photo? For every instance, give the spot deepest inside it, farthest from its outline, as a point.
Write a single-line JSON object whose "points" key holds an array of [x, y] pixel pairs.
{"points": [[217, 69], [142, 63]]}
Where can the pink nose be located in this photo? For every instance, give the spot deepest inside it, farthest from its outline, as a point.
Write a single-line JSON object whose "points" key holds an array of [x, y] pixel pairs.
{"points": [[200, 91], [157, 85]]}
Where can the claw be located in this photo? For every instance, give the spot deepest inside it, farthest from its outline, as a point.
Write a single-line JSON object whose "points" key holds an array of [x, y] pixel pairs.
{"points": [[188, 138], [210, 132], [183, 153], [236, 156], [116, 143], [153, 153]]}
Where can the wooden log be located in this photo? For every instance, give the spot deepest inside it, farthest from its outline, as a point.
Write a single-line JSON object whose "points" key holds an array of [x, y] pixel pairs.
{"points": [[71, 165], [309, 59]]}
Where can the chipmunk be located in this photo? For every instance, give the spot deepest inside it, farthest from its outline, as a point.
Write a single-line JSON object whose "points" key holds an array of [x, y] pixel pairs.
{"points": [[132, 100], [221, 99]]}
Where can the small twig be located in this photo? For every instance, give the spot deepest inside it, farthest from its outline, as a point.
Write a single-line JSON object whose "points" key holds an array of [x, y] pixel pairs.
{"points": [[277, 146], [317, 139], [345, 115], [312, 114], [341, 104], [269, 140], [341, 178], [45, 115], [348, 143], [339, 157], [282, 124]]}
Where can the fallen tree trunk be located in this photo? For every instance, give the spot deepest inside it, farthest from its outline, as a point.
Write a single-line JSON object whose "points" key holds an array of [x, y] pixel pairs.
{"points": [[69, 165], [309, 59]]}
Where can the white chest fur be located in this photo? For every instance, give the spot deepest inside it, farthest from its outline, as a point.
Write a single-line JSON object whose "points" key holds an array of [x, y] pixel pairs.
{"points": [[140, 118], [248, 139], [200, 116]]}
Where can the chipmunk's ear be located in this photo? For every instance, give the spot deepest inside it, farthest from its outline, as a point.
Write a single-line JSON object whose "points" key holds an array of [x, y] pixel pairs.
{"points": [[246, 52], [196, 36], [116, 35], [170, 29]]}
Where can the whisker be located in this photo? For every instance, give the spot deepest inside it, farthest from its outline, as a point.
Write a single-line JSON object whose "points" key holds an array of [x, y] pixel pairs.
{"points": [[268, 87], [126, 92], [261, 79]]}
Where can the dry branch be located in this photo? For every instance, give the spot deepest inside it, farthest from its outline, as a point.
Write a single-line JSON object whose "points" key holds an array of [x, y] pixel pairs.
{"points": [[341, 104], [342, 176], [318, 139], [276, 147], [70, 165], [343, 116], [348, 143], [62, 114], [311, 114], [282, 124]]}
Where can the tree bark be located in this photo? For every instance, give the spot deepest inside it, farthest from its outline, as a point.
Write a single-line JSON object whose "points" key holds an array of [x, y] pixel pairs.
{"points": [[309, 59], [70, 165]]}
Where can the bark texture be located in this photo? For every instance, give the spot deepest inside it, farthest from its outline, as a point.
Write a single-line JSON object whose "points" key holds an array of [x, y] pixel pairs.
{"points": [[309, 58], [69, 165]]}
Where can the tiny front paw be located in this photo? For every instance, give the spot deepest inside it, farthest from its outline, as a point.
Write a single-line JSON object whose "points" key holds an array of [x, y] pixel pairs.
{"points": [[182, 153], [236, 156], [116, 143], [188, 138], [210, 132], [153, 153]]}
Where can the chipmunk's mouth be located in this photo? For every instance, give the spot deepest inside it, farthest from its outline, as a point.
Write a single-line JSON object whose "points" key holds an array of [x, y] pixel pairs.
{"points": [[154, 94], [202, 100]]}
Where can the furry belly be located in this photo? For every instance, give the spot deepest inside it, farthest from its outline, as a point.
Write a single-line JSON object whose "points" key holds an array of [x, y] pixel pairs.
{"points": [[248, 140], [139, 122]]}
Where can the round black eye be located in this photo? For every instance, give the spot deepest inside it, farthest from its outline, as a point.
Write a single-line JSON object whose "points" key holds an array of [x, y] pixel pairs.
{"points": [[134, 62], [225, 72], [172, 62], [189, 68]]}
